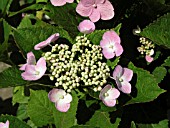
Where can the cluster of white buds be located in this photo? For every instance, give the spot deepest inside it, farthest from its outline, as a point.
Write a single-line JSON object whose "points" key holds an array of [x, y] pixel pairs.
{"points": [[82, 65], [147, 47]]}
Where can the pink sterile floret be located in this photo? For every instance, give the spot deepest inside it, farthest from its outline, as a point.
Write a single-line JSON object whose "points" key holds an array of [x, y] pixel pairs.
{"points": [[123, 76], [110, 44], [46, 42], [108, 95], [86, 26], [61, 99], [95, 9], [30, 60], [60, 2], [149, 58], [35, 72], [4, 125]]}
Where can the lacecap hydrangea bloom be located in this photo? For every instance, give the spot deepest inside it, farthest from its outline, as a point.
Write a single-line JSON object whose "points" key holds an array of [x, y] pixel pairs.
{"points": [[61, 99], [95, 9], [86, 27], [46, 42], [110, 44], [60, 2], [123, 76], [4, 125], [108, 95]]}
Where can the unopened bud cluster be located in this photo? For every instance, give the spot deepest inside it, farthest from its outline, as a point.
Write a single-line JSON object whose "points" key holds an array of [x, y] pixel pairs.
{"points": [[82, 65], [147, 47]]}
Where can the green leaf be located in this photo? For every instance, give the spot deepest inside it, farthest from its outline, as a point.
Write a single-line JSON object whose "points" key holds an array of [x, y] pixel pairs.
{"points": [[167, 62], [31, 7], [158, 31], [67, 119], [96, 36], [19, 96], [22, 112], [40, 109], [133, 125], [102, 120], [161, 124], [83, 126], [65, 17], [11, 78], [27, 38], [14, 122], [117, 28], [4, 5], [25, 23], [37, 1], [159, 73], [146, 85], [114, 63]]}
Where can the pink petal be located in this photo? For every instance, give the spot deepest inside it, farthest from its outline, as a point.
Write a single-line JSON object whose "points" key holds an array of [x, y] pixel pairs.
{"points": [[106, 10], [108, 53], [82, 10], [86, 26], [87, 3], [148, 58], [109, 103], [69, 1], [40, 45], [125, 87], [31, 58], [4, 125], [113, 93], [22, 68], [118, 49], [67, 98], [104, 90], [95, 15], [58, 2], [52, 38], [112, 36], [55, 94], [105, 43], [99, 1], [118, 71], [41, 66], [127, 74], [62, 106]]}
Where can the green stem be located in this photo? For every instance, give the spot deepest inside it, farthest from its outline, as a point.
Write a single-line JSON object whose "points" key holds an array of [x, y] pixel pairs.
{"points": [[44, 85]]}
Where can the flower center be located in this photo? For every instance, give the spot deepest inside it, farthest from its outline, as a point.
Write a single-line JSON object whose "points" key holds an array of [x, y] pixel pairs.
{"points": [[106, 94], [37, 73], [111, 46], [120, 79], [94, 5], [61, 97]]}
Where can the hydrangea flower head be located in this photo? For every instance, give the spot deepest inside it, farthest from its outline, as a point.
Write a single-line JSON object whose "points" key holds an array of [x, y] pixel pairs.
{"points": [[86, 26], [60, 2], [35, 72], [109, 95], [95, 9], [30, 60], [110, 44], [122, 76], [61, 99], [46, 42], [4, 125]]}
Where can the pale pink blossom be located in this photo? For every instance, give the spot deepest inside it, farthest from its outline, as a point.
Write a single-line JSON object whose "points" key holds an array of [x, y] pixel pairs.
{"points": [[30, 60], [61, 99], [149, 58], [4, 125], [46, 42], [123, 76], [108, 95], [95, 9], [60, 2], [110, 44], [35, 72], [86, 26]]}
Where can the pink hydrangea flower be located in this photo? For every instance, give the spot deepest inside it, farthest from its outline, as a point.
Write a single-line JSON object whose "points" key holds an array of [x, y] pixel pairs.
{"points": [[35, 72], [149, 58], [30, 60], [61, 99], [109, 95], [95, 9], [46, 42], [60, 2], [123, 76], [4, 125], [110, 44], [86, 26]]}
